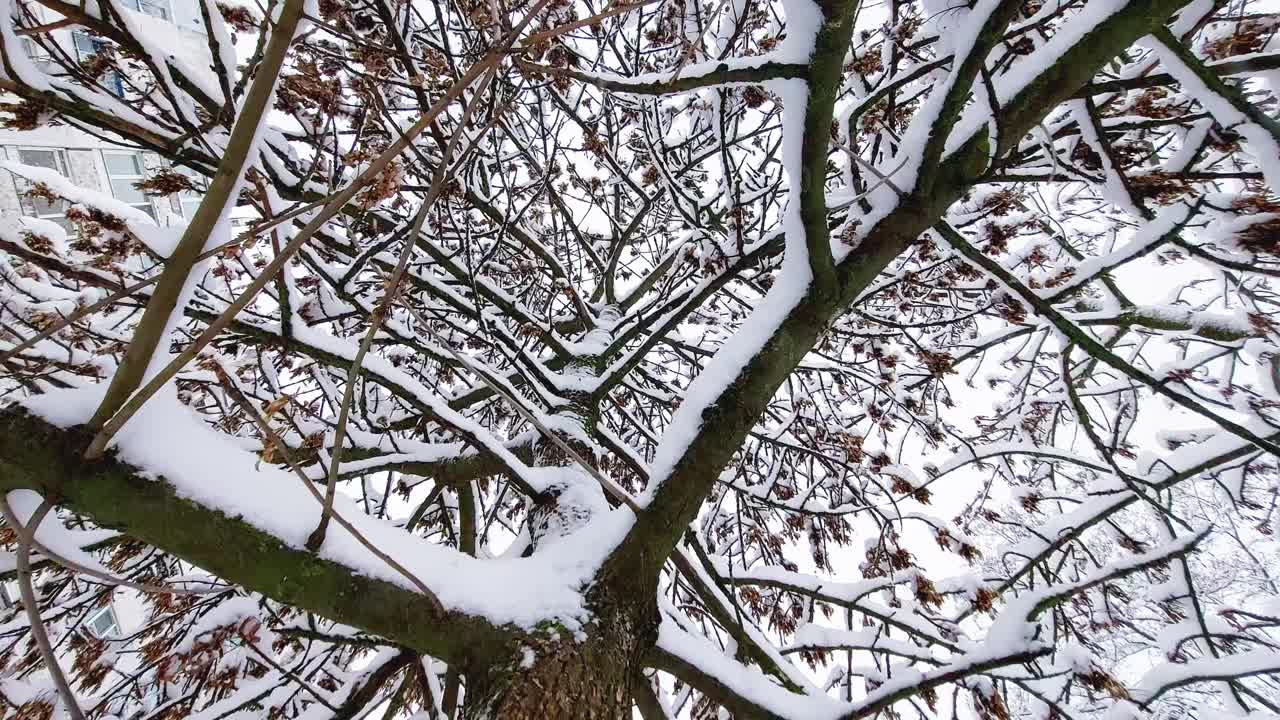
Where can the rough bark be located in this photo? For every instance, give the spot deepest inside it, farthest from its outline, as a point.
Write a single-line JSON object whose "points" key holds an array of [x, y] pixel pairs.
{"points": [[558, 672]]}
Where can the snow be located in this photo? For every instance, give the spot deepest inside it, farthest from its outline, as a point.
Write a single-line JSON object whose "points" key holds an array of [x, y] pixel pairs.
{"points": [[1015, 627], [960, 41], [174, 445], [226, 49], [227, 612], [378, 365], [811, 636], [22, 691], [55, 536], [1144, 239], [1262, 142], [146, 37], [15, 51], [169, 443], [804, 20], [1022, 72], [945, 18], [111, 105], [138, 222], [1113, 187], [1249, 662], [746, 682], [788, 290], [844, 592], [687, 72], [1195, 320], [190, 59]]}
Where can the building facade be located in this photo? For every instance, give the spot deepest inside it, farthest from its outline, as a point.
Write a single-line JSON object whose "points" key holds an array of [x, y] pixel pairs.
{"points": [[89, 161], [97, 164]]}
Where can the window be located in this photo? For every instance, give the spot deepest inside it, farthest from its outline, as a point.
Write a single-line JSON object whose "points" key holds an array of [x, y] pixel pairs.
{"points": [[103, 624], [154, 8], [55, 160], [39, 57], [87, 46], [123, 170], [190, 199]]}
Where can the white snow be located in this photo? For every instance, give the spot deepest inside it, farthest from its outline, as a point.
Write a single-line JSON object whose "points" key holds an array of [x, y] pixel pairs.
{"points": [[789, 288], [168, 442]]}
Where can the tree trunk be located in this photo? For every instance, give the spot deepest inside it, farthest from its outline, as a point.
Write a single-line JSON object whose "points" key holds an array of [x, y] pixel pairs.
{"points": [[559, 673]]}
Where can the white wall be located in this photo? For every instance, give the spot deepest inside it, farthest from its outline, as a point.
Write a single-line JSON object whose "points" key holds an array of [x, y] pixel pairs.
{"points": [[186, 15]]}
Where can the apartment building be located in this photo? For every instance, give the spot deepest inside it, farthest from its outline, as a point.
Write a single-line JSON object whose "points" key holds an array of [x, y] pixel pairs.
{"points": [[90, 161], [95, 163], [121, 616]]}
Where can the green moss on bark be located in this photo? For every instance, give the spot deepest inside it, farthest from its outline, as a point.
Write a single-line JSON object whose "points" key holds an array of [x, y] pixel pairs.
{"points": [[38, 456]]}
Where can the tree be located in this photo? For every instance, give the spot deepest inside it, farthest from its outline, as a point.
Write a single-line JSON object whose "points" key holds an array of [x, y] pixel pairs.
{"points": [[585, 358]]}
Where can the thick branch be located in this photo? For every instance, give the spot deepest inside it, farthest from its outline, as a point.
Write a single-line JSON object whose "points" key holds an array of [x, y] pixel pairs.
{"points": [[38, 456]]}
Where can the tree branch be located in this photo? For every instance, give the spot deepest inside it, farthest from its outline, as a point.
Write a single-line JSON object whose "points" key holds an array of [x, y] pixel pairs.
{"points": [[38, 456]]}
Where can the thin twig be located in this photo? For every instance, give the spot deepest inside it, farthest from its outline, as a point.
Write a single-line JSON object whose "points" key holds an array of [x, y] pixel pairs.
{"points": [[274, 438], [379, 315], [26, 533]]}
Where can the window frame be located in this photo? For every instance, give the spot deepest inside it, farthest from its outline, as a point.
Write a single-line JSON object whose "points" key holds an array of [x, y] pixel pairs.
{"points": [[21, 184], [38, 55], [145, 205], [193, 196], [80, 40], [111, 631], [164, 6]]}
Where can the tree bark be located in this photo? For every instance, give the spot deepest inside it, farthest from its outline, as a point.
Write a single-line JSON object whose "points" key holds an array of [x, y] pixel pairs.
{"points": [[558, 672]]}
